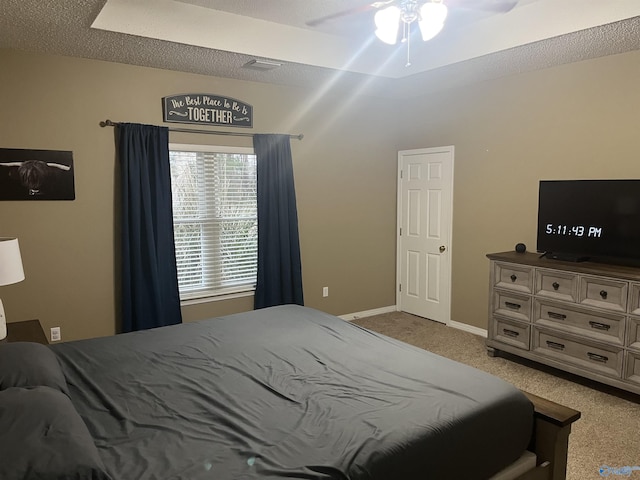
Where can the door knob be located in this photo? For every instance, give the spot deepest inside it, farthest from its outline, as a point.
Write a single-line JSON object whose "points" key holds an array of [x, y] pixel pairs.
{"points": [[442, 248]]}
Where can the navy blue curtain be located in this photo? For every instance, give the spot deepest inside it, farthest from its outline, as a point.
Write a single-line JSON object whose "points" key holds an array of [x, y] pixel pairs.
{"points": [[279, 277], [150, 295]]}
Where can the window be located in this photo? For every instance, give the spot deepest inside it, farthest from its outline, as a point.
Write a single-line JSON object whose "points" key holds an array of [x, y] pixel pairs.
{"points": [[214, 219]]}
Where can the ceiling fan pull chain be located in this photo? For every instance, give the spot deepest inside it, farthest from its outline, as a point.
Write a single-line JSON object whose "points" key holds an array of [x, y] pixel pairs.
{"points": [[408, 28]]}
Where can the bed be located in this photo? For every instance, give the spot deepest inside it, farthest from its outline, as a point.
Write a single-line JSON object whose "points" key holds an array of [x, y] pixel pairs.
{"points": [[282, 392]]}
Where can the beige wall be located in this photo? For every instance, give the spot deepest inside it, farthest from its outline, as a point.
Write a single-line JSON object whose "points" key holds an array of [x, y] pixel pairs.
{"points": [[573, 121], [344, 171]]}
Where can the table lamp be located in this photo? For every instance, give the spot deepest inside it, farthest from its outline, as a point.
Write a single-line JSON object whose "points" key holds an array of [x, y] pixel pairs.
{"points": [[11, 271]]}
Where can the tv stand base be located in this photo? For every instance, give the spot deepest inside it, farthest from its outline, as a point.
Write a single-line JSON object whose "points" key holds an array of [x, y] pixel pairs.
{"points": [[566, 257]]}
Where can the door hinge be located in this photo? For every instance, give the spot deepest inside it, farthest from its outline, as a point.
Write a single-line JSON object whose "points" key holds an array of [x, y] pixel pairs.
{"points": [[400, 231], [400, 287], [401, 173]]}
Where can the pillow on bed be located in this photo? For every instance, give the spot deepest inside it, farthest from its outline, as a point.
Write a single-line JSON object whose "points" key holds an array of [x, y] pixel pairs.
{"points": [[27, 364], [42, 436]]}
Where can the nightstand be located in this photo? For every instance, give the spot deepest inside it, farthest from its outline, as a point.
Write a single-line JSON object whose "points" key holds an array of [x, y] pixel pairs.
{"points": [[27, 331]]}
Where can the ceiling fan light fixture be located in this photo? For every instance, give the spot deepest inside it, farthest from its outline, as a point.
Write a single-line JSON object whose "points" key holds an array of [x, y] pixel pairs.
{"points": [[432, 17], [387, 22]]}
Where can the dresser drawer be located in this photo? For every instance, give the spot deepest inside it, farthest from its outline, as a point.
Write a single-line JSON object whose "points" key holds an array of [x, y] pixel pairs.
{"points": [[632, 370], [513, 277], [633, 333], [511, 305], [634, 306], [510, 332], [556, 284], [600, 326], [603, 359], [604, 293]]}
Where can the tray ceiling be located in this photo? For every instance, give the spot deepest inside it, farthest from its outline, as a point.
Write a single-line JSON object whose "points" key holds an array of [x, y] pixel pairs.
{"points": [[218, 37]]}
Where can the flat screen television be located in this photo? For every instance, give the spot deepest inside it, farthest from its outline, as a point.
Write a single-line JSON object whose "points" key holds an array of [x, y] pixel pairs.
{"points": [[596, 220]]}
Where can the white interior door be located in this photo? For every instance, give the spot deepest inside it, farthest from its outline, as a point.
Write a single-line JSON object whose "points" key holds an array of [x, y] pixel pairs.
{"points": [[425, 201]]}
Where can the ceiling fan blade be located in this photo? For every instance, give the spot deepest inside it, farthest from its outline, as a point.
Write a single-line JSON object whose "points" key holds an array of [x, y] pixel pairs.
{"points": [[349, 11], [500, 6]]}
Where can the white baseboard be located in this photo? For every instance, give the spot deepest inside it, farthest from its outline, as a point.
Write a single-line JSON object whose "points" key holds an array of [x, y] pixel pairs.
{"points": [[468, 328], [368, 313]]}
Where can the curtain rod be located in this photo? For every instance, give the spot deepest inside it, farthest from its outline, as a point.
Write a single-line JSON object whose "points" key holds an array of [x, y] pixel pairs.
{"points": [[109, 123]]}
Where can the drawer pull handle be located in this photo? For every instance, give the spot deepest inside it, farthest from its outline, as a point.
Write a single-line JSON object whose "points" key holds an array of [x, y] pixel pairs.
{"points": [[603, 294], [556, 316], [555, 285], [599, 326], [514, 306], [597, 358], [555, 345], [513, 277], [510, 333]]}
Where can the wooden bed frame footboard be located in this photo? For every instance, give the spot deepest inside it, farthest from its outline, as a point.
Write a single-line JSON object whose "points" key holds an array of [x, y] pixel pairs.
{"points": [[550, 439]]}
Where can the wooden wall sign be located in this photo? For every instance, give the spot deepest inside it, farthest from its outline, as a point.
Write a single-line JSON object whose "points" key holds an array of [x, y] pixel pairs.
{"points": [[207, 109]]}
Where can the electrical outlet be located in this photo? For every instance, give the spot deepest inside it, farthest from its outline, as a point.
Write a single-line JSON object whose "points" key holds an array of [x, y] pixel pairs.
{"points": [[56, 336], [325, 291]]}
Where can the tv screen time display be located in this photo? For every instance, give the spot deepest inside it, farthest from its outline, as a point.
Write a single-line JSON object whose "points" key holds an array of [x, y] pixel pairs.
{"points": [[595, 219]]}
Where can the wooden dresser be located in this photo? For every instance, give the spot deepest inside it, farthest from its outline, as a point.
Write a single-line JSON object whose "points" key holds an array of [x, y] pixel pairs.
{"points": [[581, 317]]}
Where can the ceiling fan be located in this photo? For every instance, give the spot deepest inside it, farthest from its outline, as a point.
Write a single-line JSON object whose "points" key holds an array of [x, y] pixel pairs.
{"points": [[430, 16]]}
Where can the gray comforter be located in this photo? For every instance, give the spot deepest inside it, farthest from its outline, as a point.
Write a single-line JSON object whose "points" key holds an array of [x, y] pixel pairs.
{"points": [[289, 392]]}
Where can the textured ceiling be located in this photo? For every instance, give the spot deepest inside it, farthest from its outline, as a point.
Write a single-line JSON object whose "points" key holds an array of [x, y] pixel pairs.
{"points": [[64, 27]]}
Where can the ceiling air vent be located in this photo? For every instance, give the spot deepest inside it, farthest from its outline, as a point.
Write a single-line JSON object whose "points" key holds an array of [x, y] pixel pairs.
{"points": [[262, 65]]}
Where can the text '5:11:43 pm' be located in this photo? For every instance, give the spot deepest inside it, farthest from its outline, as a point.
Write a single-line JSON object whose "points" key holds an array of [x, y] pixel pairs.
{"points": [[574, 230]]}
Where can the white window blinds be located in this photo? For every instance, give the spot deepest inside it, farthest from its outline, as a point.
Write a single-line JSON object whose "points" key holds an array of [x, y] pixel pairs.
{"points": [[215, 219]]}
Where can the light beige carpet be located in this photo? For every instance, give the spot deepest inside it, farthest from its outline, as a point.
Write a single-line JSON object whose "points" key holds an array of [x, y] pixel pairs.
{"points": [[608, 432]]}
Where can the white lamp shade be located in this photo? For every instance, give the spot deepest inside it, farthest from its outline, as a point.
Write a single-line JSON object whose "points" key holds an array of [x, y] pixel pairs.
{"points": [[388, 22], [11, 270], [432, 17]]}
